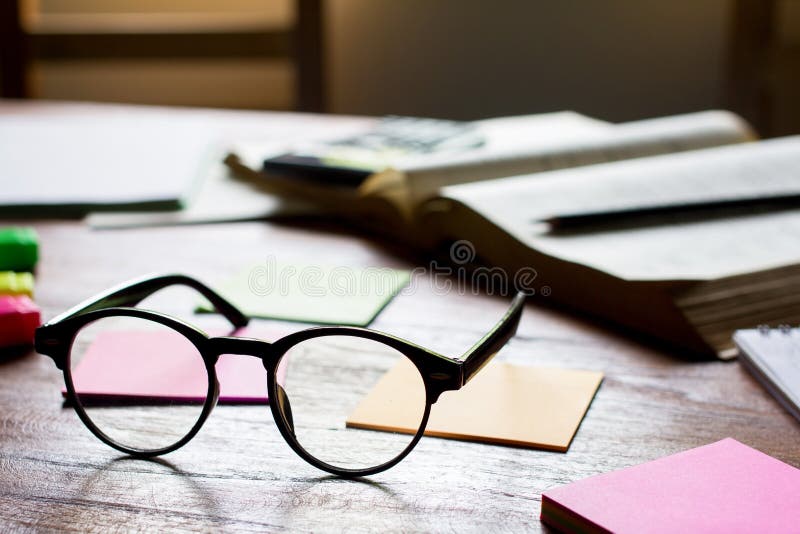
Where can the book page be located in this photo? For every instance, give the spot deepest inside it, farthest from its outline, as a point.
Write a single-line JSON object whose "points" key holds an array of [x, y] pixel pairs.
{"points": [[553, 147], [674, 248], [503, 136], [521, 132]]}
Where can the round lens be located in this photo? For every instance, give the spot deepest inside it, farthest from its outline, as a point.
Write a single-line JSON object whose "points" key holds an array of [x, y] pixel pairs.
{"points": [[141, 383], [327, 378]]}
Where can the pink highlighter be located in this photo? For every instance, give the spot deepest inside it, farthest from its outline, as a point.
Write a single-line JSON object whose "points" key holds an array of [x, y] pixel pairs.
{"points": [[19, 318]]}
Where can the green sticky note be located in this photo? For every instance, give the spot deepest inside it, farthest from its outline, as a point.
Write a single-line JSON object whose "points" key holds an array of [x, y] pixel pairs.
{"points": [[312, 293], [12, 283], [19, 249]]}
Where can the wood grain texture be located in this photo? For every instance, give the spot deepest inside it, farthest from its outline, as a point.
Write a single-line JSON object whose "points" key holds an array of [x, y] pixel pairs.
{"points": [[239, 475]]}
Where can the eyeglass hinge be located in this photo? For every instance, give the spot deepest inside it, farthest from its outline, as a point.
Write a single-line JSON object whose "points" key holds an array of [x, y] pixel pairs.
{"points": [[46, 345]]}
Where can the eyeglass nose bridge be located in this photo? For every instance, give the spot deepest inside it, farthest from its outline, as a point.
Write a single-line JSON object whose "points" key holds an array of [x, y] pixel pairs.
{"points": [[241, 345]]}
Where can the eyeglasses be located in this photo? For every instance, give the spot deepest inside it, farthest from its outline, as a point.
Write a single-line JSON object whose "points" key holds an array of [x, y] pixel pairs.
{"points": [[315, 377]]}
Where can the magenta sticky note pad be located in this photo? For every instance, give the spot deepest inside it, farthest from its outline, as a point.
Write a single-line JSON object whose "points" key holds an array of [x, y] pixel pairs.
{"points": [[722, 487], [19, 317], [121, 364]]}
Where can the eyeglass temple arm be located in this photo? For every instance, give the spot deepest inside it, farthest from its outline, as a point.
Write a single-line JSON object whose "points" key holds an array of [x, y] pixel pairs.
{"points": [[485, 349], [134, 291]]}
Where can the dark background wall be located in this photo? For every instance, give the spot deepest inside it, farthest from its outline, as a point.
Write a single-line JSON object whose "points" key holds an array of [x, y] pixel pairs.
{"points": [[614, 59], [466, 59]]}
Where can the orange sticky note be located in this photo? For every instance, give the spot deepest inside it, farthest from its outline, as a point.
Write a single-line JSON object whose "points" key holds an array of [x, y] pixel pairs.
{"points": [[507, 404]]}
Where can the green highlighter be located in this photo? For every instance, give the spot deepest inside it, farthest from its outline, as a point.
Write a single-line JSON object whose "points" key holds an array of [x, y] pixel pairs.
{"points": [[19, 249]]}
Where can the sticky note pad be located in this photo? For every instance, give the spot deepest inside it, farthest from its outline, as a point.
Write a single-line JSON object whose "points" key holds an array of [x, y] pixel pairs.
{"points": [[19, 317], [131, 364], [12, 283], [19, 249], [722, 487], [313, 293], [506, 404]]}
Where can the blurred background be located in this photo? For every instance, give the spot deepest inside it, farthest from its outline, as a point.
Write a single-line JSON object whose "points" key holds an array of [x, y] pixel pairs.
{"points": [[463, 59]]}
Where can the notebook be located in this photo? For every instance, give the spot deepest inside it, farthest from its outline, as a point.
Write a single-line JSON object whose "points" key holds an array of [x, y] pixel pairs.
{"points": [[89, 159], [772, 355], [505, 404], [121, 364], [722, 487]]}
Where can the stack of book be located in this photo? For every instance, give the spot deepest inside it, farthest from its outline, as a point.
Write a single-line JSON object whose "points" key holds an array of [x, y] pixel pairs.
{"points": [[682, 228]]}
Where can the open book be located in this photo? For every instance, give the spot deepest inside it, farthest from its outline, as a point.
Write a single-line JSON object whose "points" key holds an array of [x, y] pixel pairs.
{"points": [[388, 200], [689, 278]]}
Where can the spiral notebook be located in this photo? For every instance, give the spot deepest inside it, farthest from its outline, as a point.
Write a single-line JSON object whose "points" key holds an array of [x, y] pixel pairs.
{"points": [[772, 355]]}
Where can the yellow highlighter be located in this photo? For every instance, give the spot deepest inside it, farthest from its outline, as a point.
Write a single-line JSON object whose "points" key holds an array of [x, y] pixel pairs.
{"points": [[12, 283]]}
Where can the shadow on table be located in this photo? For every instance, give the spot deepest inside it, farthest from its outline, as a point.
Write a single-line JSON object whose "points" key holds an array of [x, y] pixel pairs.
{"points": [[10, 354], [355, 480], [343, 503], [101, 486]]}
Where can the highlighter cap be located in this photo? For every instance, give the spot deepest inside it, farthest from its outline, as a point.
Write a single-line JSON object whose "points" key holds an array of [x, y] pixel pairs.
{"points": [[19, 317], [19, 249]]}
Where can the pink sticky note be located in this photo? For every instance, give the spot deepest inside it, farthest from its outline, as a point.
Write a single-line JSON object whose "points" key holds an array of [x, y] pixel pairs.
{"points": [[19, 317], [126, 364], [722, 487]]}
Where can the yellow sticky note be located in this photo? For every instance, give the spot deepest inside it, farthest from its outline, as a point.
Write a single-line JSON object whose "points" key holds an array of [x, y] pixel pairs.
{"points": [[506, 404]]}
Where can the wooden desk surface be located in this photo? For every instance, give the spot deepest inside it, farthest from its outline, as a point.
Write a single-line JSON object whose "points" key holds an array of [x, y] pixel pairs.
{"points": [[55, 475]]}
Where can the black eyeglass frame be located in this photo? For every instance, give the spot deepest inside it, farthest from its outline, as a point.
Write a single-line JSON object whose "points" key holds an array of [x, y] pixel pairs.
{"points": [[439, 373]]}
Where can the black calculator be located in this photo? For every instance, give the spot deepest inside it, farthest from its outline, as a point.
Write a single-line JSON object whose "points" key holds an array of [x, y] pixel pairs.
{"points": [[349, 161]]}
